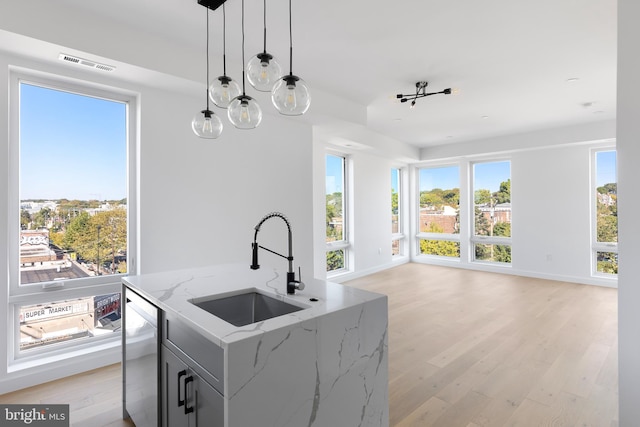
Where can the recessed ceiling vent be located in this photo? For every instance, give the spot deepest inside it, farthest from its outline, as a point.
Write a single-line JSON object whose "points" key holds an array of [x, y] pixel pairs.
{"points": [[85, 62]]}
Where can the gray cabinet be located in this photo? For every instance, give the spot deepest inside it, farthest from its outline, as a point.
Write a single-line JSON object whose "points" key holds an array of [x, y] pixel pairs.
{"points": [[192, 372], [188, 400]]}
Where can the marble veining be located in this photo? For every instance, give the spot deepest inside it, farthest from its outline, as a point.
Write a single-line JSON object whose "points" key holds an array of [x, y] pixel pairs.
{"points": [[323, 366]]}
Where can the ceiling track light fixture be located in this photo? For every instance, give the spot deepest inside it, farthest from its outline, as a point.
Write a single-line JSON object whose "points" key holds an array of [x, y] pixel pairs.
{"points": [[421, 92], [206, 124]]}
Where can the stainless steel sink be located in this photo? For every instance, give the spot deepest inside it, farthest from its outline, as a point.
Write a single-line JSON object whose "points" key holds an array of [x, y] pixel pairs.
{"points": [[246, 308]]}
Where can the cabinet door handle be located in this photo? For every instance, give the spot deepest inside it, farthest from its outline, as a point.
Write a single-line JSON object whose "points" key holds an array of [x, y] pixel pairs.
{"points": [[187, 409], [180, 375]]}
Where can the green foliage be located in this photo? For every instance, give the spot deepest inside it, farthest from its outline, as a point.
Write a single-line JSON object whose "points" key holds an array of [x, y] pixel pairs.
{"points": [[335, 260], [482, 197], [502, 253], [56, 238], [103, 235], [439, 198], [502, 229], [440, 248], [41, 218], [77, 234], [607, 228], [333, 207], [607, 215], [394, 202], [482, 224], [607, 262], [25, 219], [610, 188], [504, 194], [493, 253]]}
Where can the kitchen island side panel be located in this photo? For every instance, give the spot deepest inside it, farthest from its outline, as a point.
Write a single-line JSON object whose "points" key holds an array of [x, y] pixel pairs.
{"points": [[324, 372]]}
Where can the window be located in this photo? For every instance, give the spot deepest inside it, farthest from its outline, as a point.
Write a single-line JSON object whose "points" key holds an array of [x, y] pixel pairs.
{"points": [[605, 209], [336, 224], [439, 211], [397, 233], [491, 239], [72, 157]]}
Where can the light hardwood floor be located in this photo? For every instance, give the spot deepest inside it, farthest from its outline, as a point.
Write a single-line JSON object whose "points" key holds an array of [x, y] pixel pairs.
{"points": [[466, 349], [476, 349]]}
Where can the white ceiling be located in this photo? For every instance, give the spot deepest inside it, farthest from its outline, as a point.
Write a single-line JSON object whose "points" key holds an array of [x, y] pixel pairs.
{"points": [[510, 61]]}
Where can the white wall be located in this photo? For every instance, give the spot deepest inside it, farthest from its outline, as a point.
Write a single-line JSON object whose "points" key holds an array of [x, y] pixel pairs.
{"points": [[198, 201], [629, 210]]}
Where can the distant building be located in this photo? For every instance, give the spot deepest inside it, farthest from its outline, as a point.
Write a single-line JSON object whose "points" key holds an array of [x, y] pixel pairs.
{"points": [[34, 247], [499, 213], [35, 207], [444, 218]]}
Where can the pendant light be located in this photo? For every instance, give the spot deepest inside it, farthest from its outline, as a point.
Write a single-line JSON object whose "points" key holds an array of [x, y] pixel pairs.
{"points": [[263, 70], [244, 112], [223, 89], [290, 95], [206, 124]]}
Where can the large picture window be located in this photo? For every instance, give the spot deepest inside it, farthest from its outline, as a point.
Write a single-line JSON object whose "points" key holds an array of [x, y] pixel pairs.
{"points": [[491, 239], [72, 156], [439, 211], [605, 213]]}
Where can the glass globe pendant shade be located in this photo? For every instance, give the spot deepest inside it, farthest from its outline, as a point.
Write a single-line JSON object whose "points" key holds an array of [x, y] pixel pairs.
{"points": [[223, 90], [206, 125], [244, 112], [263, 71], [290, 95]]}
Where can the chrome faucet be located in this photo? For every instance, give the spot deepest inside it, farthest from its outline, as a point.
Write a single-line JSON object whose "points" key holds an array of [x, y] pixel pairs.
{"points": [[292, 283]]}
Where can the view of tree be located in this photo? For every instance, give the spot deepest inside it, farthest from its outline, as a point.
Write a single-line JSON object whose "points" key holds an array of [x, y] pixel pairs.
{"points": [[394, 202], [333, 211], [482, 197], [25, 219], [98, 238], [439, 198], [504, 194], [335, 260], [607, 226]]}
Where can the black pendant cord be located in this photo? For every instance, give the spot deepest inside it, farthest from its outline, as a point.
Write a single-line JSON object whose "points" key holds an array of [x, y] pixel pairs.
{"points": [[224, 41], [243, 72], [290, 43], [207, 87], [264, 8]]}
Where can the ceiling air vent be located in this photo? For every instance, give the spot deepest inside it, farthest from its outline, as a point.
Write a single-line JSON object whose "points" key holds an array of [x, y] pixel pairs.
{"points": [[85, 62]]}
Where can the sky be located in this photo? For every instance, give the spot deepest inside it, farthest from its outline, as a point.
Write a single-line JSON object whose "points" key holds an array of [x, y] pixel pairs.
{"points": [[486, 176], [71, 146], [334, 173], [605, 168]]}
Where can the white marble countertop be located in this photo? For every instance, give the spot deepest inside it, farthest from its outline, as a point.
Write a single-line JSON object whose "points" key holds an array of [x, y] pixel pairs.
{"points": [[171, 291]]}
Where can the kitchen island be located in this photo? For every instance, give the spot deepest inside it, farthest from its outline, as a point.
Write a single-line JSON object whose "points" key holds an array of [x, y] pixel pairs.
{"points": [[323, 365]]}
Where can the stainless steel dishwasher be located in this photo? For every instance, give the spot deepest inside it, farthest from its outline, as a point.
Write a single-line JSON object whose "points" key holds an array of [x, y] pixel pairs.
{"points": [[140, 367]]}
